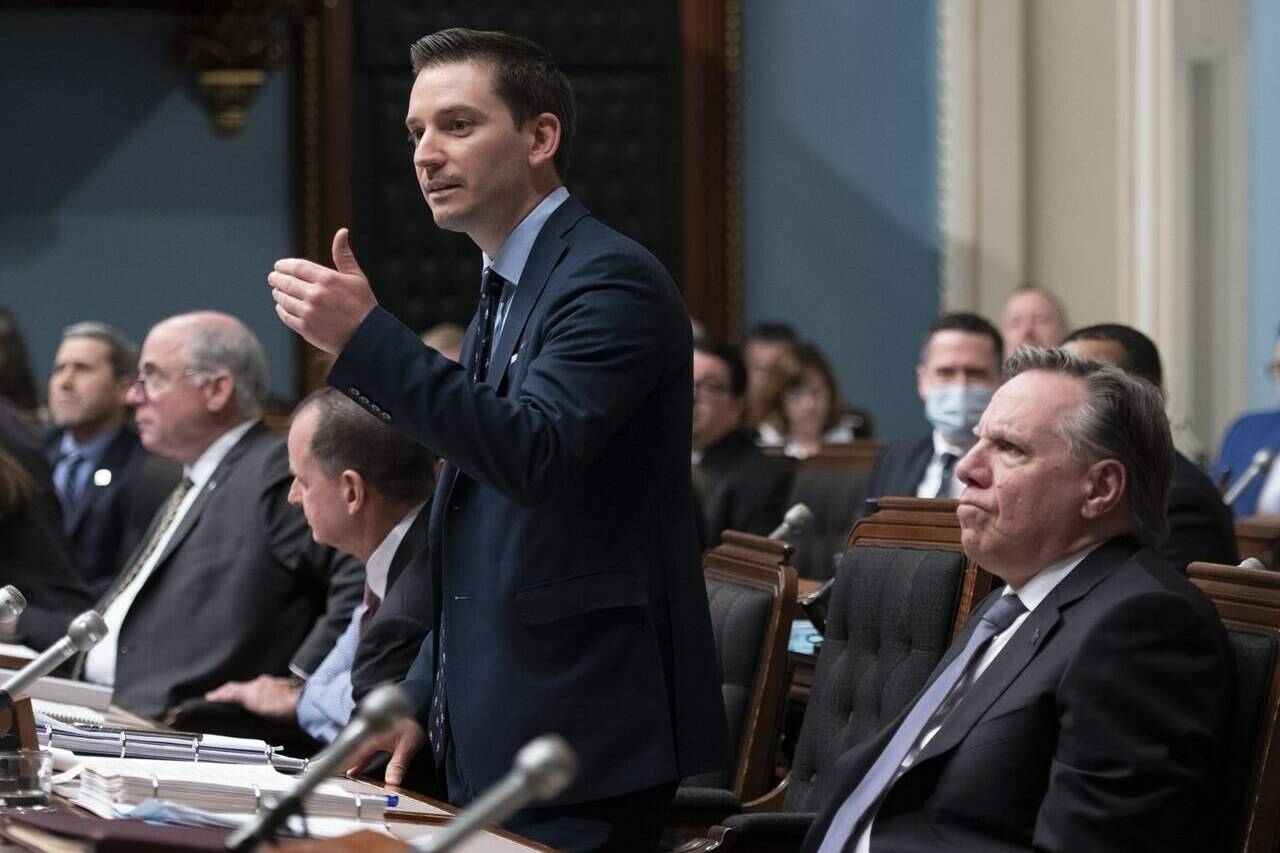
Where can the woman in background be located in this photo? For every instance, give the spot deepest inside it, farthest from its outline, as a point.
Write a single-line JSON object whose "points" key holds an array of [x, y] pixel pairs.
{"points": [[802, 408]]}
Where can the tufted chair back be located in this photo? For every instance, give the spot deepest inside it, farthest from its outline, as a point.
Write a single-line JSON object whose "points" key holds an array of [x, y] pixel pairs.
{"points": [[889, 621], [835, 498]]}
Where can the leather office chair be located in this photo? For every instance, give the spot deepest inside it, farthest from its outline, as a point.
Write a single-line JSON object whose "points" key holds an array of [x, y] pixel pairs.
{"points": [[901, 592], [1249, 602], [751, 590]]}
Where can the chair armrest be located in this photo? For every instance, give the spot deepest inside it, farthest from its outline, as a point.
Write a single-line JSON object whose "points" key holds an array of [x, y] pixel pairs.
{"points": [[772, 801], [700, 808], [770, 826]]}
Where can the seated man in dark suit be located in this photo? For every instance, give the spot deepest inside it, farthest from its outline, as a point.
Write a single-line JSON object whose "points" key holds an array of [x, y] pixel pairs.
{"points": [[1085, 705], [1247, 436], [1200, 525], [227, 584], [362, 487], [958, 372], [738, 487], [102, 476]]}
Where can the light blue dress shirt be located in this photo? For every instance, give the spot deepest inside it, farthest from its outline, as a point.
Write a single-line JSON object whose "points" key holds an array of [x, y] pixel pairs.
{"points": [[514, 254], [91, 451]]}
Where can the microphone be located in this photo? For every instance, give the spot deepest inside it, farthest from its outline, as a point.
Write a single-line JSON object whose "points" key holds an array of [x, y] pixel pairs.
{"points": [[12, 603], [379, 711], [1261, 462], [795, 521], [543, 768], [83, 633]]}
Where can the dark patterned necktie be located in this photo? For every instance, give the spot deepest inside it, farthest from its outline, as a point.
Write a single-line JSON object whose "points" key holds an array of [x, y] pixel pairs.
{"points": [[929, 711], [948, 469], [490, 291]]}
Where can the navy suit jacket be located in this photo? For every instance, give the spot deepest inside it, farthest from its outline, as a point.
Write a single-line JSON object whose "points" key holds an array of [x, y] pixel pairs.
{"points": [[1100, 726], [563, 540], [899, 468], [96, 527], [1245, 437], [1200, 525]]}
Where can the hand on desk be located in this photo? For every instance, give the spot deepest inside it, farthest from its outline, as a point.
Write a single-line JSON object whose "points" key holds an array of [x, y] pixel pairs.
{"points": [[403, 742], [267, 696], [324, 305]]}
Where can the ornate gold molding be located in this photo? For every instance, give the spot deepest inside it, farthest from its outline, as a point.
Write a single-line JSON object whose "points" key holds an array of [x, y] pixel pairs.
{"points": [[231, 44]]}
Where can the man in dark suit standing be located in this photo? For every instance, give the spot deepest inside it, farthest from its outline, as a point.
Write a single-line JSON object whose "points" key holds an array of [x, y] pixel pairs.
{"points": [[1200, 524], [104, 479], [1085, 705], [227, 582], [958, 372], [737, 486], [563, 536], [362, 487]]}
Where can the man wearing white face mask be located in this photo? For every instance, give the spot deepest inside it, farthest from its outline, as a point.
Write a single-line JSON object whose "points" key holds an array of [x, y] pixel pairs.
{"points": [[958, 372]]}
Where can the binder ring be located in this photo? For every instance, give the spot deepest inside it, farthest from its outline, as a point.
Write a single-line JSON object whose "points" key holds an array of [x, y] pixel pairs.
{"points": [[257, 799], [155, 787], [195, 750], [124, 744], [359, 806]]}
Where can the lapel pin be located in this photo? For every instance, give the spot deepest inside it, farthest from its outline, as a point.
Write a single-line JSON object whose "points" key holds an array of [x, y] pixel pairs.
{"points": [[514, 356], [102, 477]]}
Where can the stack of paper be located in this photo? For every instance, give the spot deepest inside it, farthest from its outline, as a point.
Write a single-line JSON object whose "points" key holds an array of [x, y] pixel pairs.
{"points": [[172, 746], [213, 787]]}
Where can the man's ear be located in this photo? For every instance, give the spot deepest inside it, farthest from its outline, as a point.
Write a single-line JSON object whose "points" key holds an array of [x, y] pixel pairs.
{"points": [[219, 390], [545, 129], [1108, 482], [354, 490]]}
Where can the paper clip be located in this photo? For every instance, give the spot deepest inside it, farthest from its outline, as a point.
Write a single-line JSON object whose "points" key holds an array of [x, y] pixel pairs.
{"points": [[257, 799], [359, 806], [155, 787]]}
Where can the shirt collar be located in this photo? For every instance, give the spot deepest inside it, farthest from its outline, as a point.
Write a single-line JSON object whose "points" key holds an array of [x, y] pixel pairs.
{"points": [[941, 446], [90, 449], [514, 254], [378, 566], [1038, 588], [202, 469]]}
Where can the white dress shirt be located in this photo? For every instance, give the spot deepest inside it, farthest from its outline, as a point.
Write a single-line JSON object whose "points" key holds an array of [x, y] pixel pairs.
{"points": [[100, 663], [1269, 497], [928, 487], [1032, 593]]}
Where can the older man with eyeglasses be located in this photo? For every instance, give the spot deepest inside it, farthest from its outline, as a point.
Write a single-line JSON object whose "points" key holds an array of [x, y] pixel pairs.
{"points": [[227, 583]]}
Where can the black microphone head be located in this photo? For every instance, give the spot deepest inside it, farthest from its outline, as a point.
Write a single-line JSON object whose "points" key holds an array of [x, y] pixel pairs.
{"points": [[383, 707], [798, 517], [86, 630], [12, 603], [549, 765]]}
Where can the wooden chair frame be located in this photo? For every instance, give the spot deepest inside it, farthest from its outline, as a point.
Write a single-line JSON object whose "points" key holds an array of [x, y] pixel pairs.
{"points": [[1249, 600], [857, 457]]}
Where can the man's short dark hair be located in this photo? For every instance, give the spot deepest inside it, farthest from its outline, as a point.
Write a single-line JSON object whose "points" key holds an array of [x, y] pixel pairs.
{"points": [[731, 357], [122, 352], [1141, 356], [771, 331], [525, 76], [348, 437], [973, 324]]}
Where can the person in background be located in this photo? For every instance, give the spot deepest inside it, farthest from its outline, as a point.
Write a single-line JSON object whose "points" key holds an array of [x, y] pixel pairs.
{"points": [[17, 382], [33, 553], [363, 488], [959, 370], [802, 408], [446, 339], [765, 342], [1244, 438], [104, 479], [1200, 525], [737, 486], [1034, 317]]}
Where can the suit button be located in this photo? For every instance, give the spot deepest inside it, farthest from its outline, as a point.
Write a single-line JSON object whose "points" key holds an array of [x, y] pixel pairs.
{"points": [[124, 650], [374, 408], [386, 416], [353, 391], [364, 401]]}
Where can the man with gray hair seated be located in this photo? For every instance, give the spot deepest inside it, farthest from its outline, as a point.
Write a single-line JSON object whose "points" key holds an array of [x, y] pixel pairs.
{"points": [[227, 583], [102, 476], [1085, 705]]}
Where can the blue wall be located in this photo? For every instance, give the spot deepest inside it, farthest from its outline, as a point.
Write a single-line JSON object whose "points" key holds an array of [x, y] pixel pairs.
{"points": [[1264, 199], [118, 201], [840, 196]]}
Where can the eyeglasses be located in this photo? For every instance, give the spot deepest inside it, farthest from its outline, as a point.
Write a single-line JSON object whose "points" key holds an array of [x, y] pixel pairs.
{"points": [[153, 383]]}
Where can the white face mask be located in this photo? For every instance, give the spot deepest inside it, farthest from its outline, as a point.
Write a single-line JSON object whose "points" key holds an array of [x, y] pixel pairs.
{"points": [[955, 409]]}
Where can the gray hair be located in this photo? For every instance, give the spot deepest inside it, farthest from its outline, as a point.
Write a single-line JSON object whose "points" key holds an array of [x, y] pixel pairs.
{"points": [[1121, 418], [122, 352], [233, 348]]}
